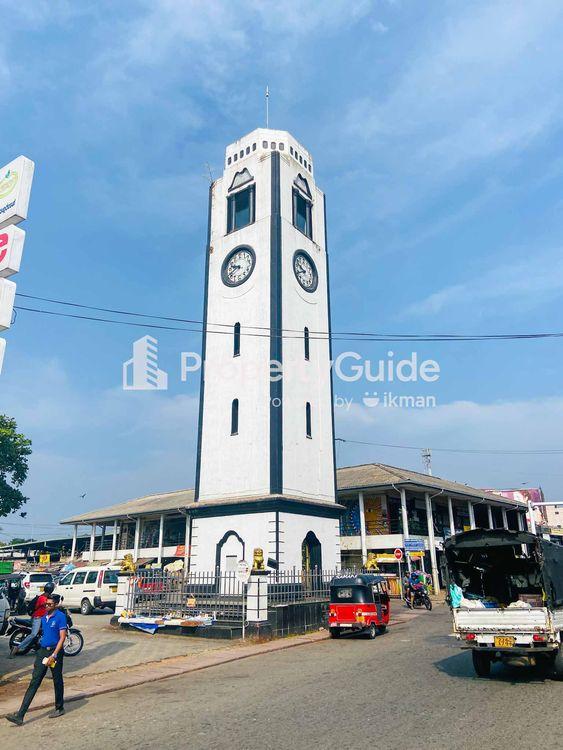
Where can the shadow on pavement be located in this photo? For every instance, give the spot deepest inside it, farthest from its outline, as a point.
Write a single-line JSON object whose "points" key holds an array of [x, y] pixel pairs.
{"points": [[460, 665]]}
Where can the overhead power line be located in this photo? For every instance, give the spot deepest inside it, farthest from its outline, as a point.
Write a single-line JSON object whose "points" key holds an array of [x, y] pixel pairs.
{"points": [[265, 331], [476, 451]]}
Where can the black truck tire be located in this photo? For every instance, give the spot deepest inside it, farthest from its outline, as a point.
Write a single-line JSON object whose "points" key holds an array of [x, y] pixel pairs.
{"points": [[481, 663], [558, 663]]}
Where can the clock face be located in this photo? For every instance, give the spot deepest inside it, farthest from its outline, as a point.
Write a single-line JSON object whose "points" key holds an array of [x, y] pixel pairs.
{"points": [[305, 271], [238, 266]]}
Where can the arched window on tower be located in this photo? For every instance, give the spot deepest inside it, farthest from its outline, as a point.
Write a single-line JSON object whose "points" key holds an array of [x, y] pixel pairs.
{"points": [[236, 340], [308, 427], [234, 417], [306, 342]]}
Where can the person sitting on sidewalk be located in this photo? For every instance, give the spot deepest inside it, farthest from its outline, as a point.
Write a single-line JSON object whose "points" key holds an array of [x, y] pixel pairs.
{"points": [[37, 612], [50, 654]]}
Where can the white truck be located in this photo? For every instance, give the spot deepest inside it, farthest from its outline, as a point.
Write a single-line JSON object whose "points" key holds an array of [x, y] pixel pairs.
{"points": [[505, 590]]}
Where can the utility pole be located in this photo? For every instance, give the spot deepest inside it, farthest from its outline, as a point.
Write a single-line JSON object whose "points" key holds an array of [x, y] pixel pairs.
{"points": [[426, 454]]}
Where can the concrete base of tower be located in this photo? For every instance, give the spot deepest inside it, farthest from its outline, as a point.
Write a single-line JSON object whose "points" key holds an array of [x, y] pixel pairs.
{"points": [[292, 533]]}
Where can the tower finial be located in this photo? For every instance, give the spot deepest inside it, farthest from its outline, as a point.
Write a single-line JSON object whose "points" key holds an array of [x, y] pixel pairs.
{"points": [[267, 106]]}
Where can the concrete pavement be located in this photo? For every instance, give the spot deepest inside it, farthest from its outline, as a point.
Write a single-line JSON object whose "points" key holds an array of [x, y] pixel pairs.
{"points": [[110, 676], [412, 687]]}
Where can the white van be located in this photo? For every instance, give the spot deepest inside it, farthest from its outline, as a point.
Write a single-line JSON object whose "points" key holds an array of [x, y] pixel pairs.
{"points": [[89, 588], [34, 583]]}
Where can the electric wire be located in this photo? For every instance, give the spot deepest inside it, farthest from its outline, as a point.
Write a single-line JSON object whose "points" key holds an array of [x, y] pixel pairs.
{"points": [[267, 332]]}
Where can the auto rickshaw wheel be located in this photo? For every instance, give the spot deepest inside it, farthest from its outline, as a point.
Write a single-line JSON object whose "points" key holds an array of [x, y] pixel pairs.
{"points": [[381, 629], [373, 630], [334, 632]]}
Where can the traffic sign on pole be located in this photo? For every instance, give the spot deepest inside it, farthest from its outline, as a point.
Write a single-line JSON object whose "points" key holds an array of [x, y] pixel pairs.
{"points": [[243, 571], [398, 554]]}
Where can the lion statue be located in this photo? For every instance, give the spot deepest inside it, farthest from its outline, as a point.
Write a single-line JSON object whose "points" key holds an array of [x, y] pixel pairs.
{"points": [[258, 559], [127, 564], [371, 562]]}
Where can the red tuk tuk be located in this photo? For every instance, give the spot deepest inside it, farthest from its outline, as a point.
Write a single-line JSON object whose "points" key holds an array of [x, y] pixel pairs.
{"points": [[358, 603]]}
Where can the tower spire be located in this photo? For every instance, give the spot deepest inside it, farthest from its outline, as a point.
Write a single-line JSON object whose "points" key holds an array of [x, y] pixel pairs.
{"points": [[267, 106]]}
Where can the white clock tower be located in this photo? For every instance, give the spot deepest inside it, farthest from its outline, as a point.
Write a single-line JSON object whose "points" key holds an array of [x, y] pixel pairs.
{"points": [[265, 466]]}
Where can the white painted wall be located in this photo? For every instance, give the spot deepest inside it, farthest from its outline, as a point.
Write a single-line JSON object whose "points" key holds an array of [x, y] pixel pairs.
{"points": [[258, 530], [239, 465]]}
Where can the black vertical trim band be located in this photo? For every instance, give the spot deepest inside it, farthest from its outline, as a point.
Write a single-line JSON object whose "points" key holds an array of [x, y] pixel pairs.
{"points": [[330, 352], [203, 349], [278, 539], [276, 387]]}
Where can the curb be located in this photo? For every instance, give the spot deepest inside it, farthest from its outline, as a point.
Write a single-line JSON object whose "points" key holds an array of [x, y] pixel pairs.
{"points": [[175, 666]]}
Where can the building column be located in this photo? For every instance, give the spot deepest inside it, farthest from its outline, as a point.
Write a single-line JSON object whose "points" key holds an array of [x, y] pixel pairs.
{"points": [[92, 541], [520, 518], [451, 515], [160, 538], [471, 514], [114, 541], [137, 538], [432, 543], [363, 528], [490, 516], [532, 525], [74, 538], [187, 546], [504, 519], [405, 518]]}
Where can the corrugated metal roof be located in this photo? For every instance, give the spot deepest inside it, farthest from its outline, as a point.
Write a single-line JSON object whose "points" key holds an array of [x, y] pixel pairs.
{"points": [[382, 475], [348, 478]]}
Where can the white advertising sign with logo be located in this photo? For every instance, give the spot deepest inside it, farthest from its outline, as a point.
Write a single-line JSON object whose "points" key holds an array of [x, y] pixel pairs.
{"points": [[2, 350], [11, 249], [15, 188], [7, 299]]}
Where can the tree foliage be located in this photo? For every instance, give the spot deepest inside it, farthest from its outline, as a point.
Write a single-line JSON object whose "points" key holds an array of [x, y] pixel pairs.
{"points": [[14, 451]]}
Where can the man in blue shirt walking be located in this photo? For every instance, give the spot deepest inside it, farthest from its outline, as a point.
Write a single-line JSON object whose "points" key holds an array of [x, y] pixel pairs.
{"points": [[49, 655]]}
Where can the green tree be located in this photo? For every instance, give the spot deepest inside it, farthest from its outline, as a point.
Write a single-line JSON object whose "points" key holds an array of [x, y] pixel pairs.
{"points": [[14, 450]]}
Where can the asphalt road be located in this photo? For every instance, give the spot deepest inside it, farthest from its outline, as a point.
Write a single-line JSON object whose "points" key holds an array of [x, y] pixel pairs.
{"points": [[411, 687]]}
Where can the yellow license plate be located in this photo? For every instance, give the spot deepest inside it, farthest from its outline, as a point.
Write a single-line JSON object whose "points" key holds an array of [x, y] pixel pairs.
{"points": [[113, 589], [504, 641]]}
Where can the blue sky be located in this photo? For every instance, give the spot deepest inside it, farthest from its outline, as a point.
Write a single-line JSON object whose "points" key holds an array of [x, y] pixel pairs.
{"points": [[436, 130]]}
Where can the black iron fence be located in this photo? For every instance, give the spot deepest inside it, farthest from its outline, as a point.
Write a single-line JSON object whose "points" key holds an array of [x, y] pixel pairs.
{"points": [[159, 593]]}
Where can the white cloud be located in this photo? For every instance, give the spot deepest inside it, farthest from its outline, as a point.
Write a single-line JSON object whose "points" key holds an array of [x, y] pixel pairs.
{"points": [[483, 82], [111, 444], [501, 425], [520, 284]]}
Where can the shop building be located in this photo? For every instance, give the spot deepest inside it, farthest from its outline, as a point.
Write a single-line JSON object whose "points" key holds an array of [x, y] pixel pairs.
{"points": [[379, 507]]}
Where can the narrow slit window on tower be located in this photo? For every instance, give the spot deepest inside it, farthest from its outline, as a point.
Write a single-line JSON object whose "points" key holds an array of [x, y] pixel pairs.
{"points": [[302, 214], [236, 340], [308, 428], [306, 341], [234, 417], [240, 209]]}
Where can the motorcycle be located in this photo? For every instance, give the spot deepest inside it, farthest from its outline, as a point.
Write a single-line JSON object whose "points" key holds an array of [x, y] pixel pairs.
{"points": [[420, 599], [20, 627]]}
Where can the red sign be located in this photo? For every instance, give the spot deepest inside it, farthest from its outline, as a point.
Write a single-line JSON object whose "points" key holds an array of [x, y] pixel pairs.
{"points": [[3, 245], [398, 554], [180, 550]]}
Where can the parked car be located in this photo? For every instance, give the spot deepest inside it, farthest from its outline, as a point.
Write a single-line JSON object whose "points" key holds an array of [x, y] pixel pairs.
{"points": [[34, 582], [89, 588]]}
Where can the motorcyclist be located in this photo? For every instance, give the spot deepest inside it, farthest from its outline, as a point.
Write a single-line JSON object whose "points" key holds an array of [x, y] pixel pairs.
{"points": [[414, 584], [39, 610]]}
